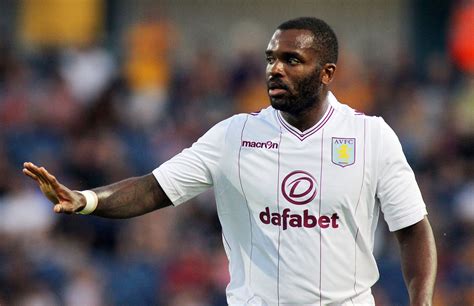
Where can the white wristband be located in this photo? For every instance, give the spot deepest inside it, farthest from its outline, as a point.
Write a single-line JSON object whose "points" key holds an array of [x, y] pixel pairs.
{"points": [[91, 202]]}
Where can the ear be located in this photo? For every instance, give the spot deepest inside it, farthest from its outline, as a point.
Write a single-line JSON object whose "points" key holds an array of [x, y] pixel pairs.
{"points": [[328, 73]]}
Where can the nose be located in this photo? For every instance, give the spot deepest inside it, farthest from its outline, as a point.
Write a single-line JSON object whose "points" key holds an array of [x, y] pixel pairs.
{"points": [[275, 69]]}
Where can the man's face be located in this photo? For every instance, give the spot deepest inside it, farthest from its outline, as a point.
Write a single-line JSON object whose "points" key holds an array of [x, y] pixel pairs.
{"points": [[293, 71]]}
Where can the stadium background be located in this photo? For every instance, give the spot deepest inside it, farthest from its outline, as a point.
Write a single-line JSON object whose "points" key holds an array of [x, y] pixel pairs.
{"points": [[100, 90]]}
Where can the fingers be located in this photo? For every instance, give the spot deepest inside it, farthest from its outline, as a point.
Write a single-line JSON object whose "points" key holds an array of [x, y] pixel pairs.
{"points": [[30, 174], [42, 175], [50, 187], [39, 174], [48, 177], [30, 166], [31, 170]]}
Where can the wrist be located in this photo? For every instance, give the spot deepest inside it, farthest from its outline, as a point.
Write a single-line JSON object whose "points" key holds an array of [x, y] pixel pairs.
{"points": [[421, 302], [91, 202], [421, 299]]}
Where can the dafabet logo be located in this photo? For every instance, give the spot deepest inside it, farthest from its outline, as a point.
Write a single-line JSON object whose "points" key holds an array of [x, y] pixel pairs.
{"points": [[298, 188]]}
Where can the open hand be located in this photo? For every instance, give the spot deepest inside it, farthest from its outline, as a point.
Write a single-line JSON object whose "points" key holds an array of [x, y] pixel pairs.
{"points": [[64, 199]]}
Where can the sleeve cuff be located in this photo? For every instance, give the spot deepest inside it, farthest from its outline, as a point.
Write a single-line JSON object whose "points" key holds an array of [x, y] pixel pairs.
{"points": [[168, 187], [415, 217]]}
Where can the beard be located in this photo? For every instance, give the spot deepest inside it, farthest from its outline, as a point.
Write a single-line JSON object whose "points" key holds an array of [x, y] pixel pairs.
{"points": [[302, 97]]}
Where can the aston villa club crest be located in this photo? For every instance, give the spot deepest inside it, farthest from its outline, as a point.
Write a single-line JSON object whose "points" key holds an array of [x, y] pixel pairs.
{"points": [[343, 151]]}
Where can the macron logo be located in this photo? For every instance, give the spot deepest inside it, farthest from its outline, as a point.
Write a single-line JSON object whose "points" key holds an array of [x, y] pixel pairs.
{"points": [[257, 144]]}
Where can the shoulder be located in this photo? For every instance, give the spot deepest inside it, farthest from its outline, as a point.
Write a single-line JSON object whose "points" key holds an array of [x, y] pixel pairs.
{"points": [[348, 113], [266, 116], [235, 124]]}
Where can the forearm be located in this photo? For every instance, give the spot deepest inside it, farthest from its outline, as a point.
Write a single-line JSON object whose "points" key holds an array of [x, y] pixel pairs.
{"points": [[131, 197], [419, 262]]}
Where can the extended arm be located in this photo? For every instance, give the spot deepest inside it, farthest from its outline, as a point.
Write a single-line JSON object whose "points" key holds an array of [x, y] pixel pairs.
{"points": [[131, 197], [419, 262], [128, 198]]}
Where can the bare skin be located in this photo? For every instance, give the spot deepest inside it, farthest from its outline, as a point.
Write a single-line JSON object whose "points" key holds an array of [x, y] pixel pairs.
{"points": [[419, 262], [125, 199], [291, 58]]}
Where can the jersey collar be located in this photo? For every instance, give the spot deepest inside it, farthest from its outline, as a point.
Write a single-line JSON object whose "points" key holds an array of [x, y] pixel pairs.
{"points": [[303, 135]]}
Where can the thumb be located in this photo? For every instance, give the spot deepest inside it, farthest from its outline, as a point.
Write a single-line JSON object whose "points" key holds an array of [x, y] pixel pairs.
{"points": [[58, 208], [61, 208]]}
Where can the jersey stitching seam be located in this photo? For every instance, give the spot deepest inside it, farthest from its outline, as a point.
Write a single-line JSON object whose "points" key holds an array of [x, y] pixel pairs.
{"points": [[279, 230], [355, 210], [320, 232], [246, 201]]}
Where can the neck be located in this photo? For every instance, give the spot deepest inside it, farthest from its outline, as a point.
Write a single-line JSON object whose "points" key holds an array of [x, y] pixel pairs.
{"points": [[309, 117]]}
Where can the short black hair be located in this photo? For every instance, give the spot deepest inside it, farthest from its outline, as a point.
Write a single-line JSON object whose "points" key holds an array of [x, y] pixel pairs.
{"points": [[325, 40]]}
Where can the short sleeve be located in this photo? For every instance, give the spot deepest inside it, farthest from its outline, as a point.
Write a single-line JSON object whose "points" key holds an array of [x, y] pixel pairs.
{"points": [[191, 172], [397, 190]]}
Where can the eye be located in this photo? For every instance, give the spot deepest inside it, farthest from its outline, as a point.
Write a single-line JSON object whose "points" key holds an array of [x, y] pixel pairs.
{"points": [[270, 59], [293, 61]]}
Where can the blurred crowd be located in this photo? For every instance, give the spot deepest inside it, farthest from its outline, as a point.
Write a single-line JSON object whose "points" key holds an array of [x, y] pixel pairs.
{"points": [[93, 117]]}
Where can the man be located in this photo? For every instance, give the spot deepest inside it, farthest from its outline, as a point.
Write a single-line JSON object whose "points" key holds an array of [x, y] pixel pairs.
{"points": [[298, 187]]}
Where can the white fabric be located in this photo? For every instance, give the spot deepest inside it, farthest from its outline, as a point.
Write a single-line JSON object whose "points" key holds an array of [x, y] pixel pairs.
{"points": [[299, 210], [91, 202]]}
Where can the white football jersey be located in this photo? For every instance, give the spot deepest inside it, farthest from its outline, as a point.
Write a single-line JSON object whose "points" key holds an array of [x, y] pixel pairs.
{"points": [[299, 209]]}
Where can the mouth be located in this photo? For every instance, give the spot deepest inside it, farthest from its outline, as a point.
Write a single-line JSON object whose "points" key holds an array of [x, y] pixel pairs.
{"points": [[277, 92], [276, 89]]}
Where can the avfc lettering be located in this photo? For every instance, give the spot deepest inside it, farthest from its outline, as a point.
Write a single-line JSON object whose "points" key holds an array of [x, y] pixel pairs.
{"points": [[286, 220], [340, 141]]}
